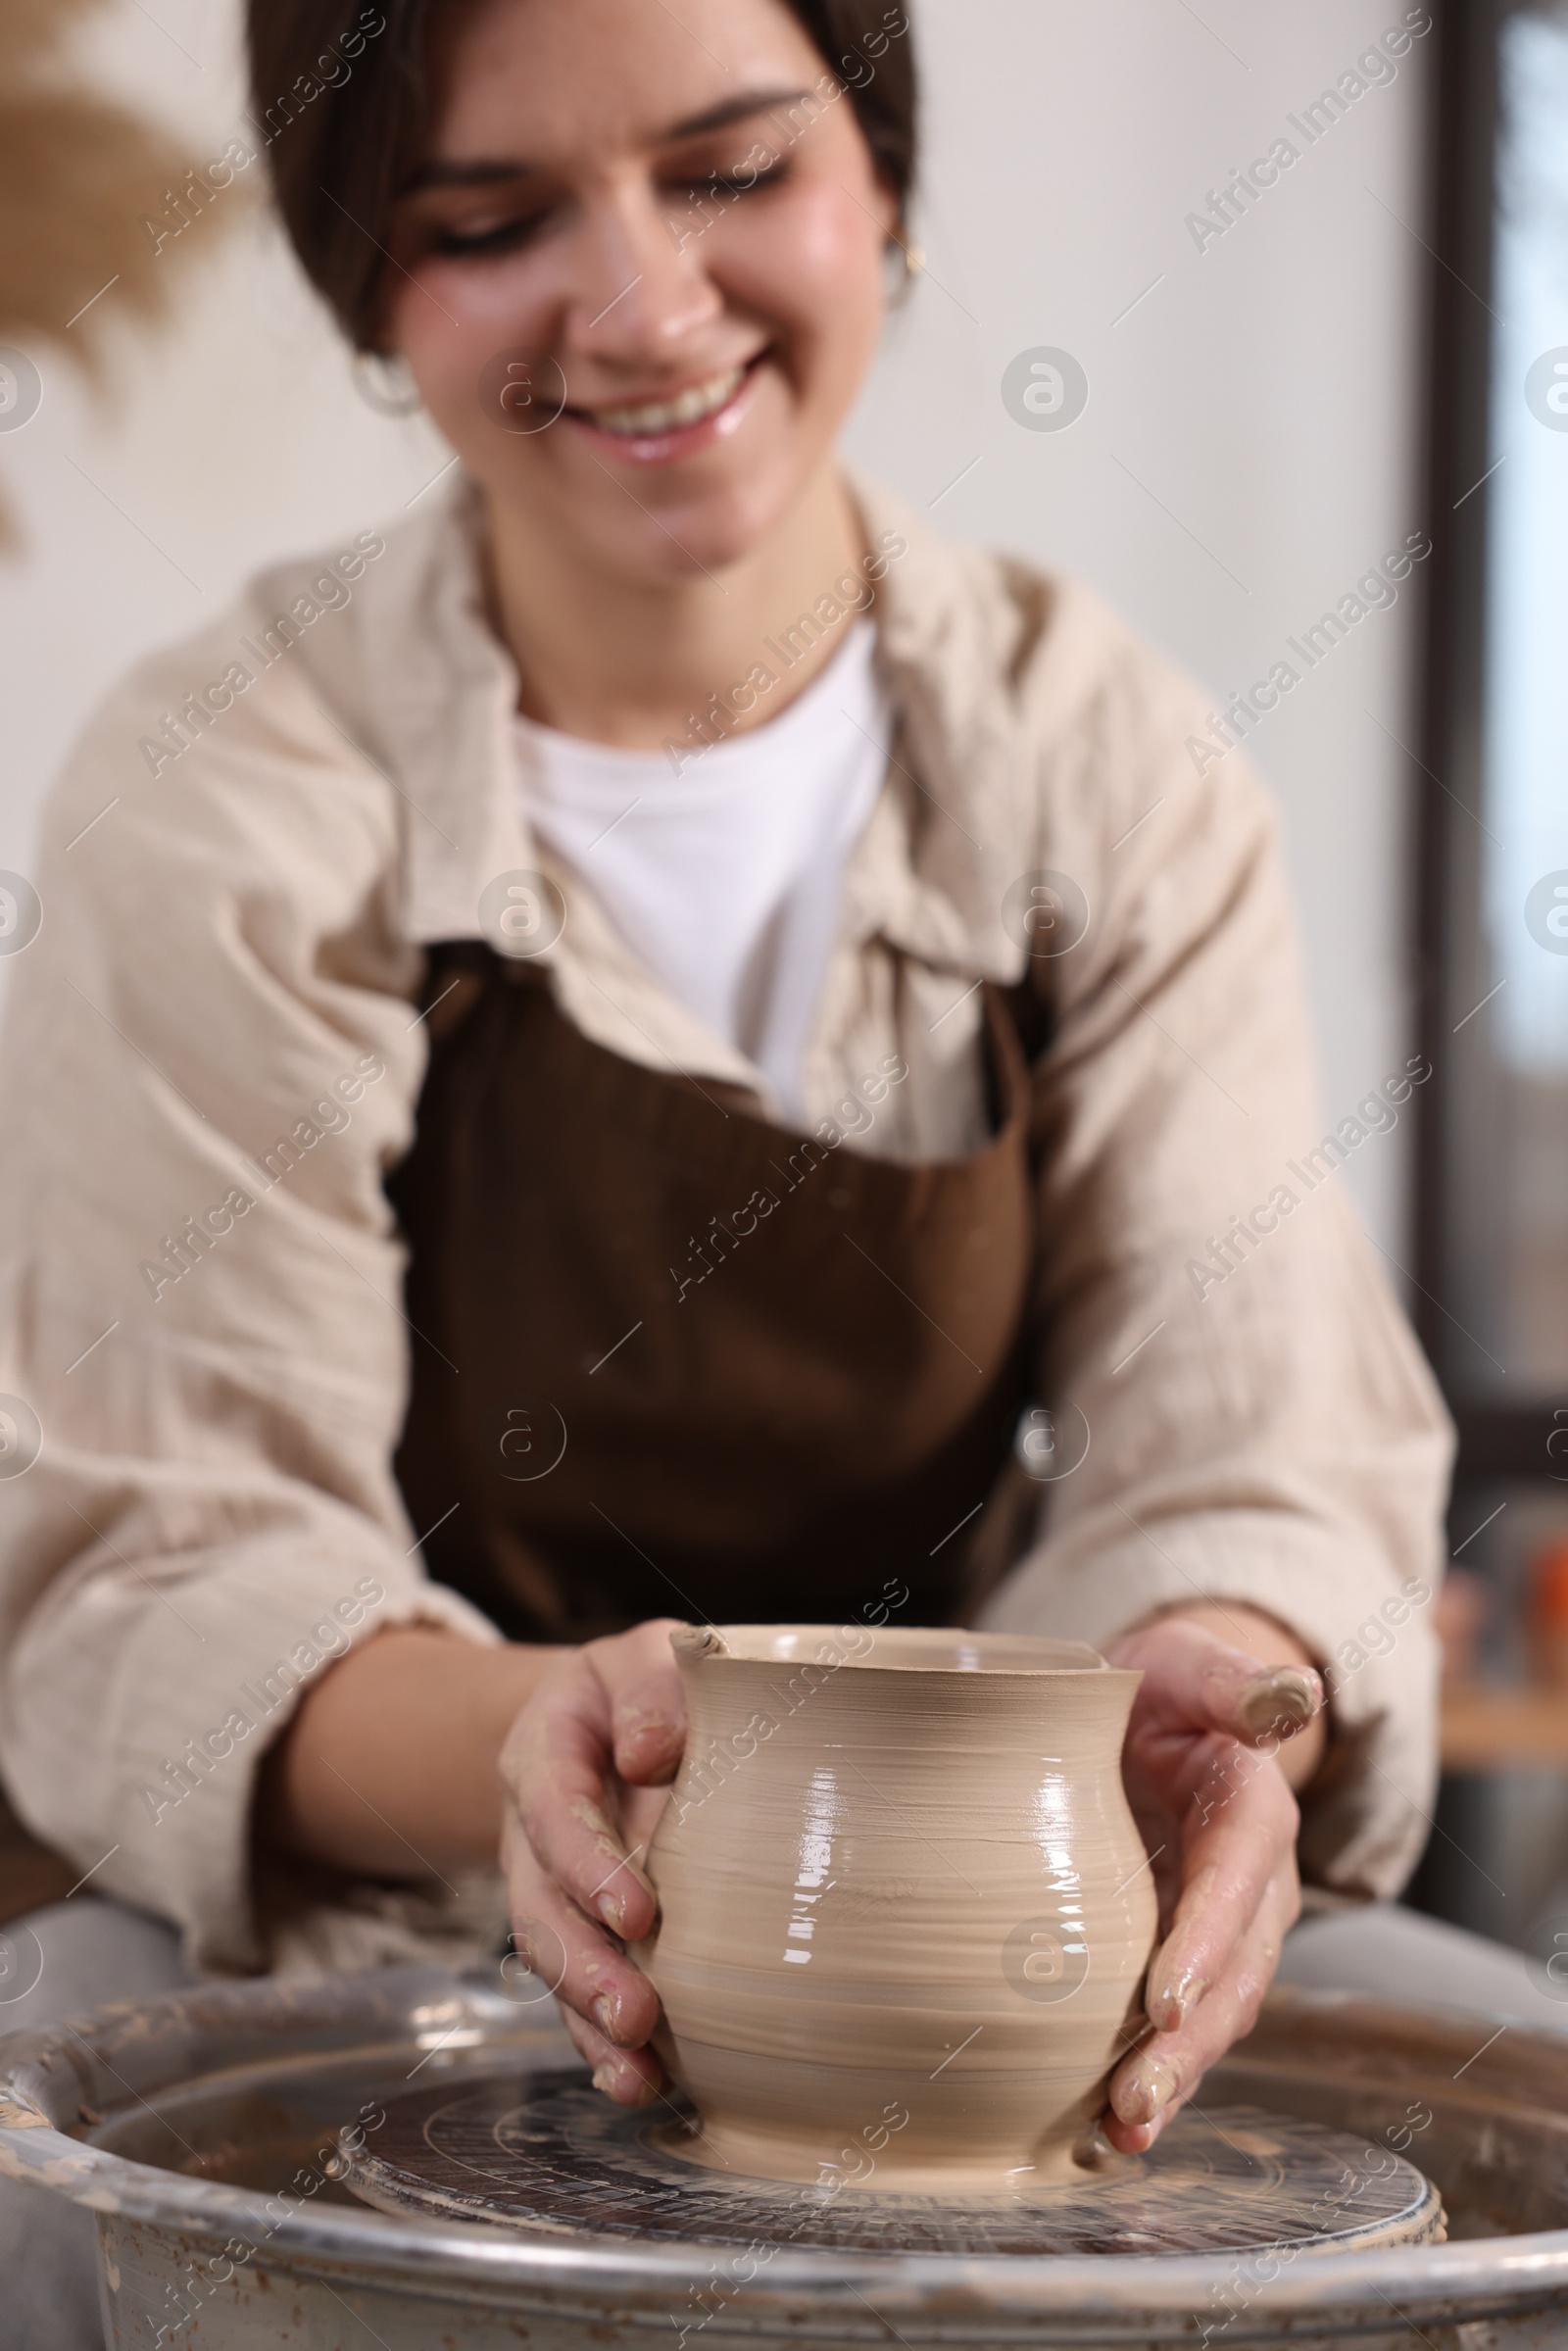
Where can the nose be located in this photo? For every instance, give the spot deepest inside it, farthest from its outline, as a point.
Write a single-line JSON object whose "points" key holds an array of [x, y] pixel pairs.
{"points": [[637, 295]]}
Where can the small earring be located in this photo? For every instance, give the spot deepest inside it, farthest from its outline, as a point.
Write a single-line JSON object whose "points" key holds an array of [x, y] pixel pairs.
{"points": [[909, 261], [383, 382]]}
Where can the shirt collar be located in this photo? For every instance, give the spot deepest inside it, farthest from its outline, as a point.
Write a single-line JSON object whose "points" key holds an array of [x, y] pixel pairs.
{"points": [[943, 847]]}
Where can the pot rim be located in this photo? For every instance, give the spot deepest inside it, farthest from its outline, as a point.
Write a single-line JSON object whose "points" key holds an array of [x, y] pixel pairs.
{"points": [[958, 1653]]}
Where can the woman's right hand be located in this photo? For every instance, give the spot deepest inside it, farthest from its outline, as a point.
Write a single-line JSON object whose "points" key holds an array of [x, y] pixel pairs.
{"points": [[585, 1771]]}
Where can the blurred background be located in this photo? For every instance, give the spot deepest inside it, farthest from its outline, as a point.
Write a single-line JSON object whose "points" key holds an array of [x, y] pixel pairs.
{"points": [[1285, 384]]}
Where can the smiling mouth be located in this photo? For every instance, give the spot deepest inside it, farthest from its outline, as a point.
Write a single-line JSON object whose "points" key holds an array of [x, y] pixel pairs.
{"points": [[639, 421]]}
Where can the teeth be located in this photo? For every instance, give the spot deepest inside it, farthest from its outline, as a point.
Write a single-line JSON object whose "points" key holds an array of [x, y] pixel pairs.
{"points": [[664, 415]]}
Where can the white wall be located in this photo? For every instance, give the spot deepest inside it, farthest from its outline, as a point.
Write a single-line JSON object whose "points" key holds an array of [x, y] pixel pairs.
{"points": [[1264, 394], [1250, 445]]}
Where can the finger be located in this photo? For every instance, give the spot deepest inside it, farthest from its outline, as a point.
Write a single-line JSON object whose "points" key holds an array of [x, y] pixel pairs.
{"points": [[1168, 2069], [1229, 1690], [631, 2076], [646, 1706], [585, 1970], [553, 1767], [1159, 2078], [1228, 1863], [641, 1810]]}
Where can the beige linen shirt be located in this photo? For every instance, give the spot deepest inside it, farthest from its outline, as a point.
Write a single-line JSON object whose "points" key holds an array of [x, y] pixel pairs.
{"points": [[213, 1055]]}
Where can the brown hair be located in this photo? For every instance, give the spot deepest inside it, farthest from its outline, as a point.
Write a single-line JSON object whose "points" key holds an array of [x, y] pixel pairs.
{"points": [[340, 95]]}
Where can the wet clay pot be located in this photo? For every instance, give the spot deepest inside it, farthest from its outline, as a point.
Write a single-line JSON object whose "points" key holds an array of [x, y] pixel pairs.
{"points": [[905, 1911]]}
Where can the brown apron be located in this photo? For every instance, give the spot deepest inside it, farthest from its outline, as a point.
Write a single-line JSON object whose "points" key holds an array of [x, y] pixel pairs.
{"points": [[670, 1359]]}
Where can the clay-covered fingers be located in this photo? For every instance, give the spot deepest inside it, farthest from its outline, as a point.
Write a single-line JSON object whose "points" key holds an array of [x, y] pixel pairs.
{"points": [[613, 1708], [554, 1769], [1196, 1680], [1237, 1837], [646, 1706], [1208, 1773], [584, 1769], [631, 2076], [1157, 2079], [597, 1986]]}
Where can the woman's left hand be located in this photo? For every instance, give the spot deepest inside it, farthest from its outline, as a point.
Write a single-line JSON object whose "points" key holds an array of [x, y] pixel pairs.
{"points": [[1220, 1737]]}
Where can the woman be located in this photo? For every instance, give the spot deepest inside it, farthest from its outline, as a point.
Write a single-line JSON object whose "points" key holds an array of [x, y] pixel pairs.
{"points": [[822, 1040]]}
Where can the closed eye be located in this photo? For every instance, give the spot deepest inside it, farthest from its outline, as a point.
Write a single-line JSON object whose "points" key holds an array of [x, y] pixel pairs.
{"points": [[716, 191], [505, 236], [510, 235]]}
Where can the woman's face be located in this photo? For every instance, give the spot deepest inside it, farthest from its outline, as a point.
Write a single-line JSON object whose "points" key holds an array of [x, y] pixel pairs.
{"points": [[670, 222]]}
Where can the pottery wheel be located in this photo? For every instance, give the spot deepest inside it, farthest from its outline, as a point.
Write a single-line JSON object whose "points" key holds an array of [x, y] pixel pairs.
{"points": [[547, 2152]]}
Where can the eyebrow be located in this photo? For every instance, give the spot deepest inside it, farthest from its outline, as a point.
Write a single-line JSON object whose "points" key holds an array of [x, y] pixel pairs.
{"points": [[486, 170]]}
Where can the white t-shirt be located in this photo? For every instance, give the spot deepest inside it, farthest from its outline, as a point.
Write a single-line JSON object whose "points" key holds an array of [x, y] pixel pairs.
{"points": [[724, 881]]}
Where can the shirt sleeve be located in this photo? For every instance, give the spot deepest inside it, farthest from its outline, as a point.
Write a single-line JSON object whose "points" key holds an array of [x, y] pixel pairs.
{"points": [[201, 1329], [1238, 1409]]}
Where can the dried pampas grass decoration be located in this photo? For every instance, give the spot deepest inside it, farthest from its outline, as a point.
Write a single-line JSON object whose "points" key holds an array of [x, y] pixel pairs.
{"points": [[79, 178]]}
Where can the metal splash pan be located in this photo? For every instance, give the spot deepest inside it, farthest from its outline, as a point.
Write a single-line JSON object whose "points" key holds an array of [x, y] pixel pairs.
{"points": [[214, 2134]]}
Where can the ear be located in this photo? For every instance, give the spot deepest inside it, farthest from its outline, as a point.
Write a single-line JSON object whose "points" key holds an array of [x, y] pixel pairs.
{"points": [[889, 209]]}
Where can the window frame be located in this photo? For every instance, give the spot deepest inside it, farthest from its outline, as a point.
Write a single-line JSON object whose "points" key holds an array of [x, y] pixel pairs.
{"points": [[1496, 1440]]}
